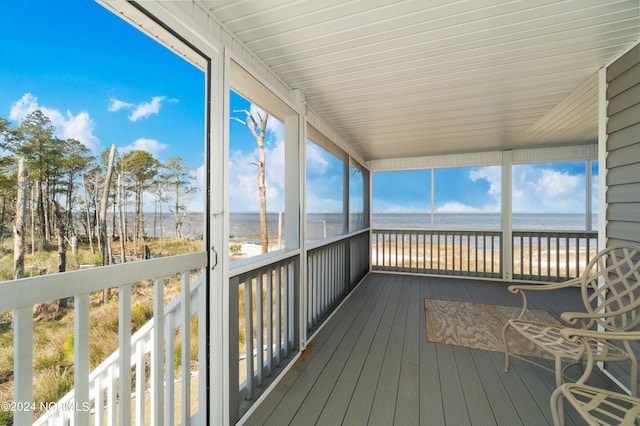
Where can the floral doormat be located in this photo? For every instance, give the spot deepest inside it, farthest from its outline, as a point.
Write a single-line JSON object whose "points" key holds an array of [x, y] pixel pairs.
{"points": [[476, 325]]}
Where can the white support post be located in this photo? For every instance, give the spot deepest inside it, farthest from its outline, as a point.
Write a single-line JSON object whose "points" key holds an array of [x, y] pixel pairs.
{"points": [[345, 193], [433, 195], [295, 204], [217, 288], [507, 216], [588, 195]]}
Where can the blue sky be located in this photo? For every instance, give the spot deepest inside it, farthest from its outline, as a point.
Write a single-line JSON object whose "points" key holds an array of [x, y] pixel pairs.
{"points": [[537, 188], [103, 82], [99, 80]]}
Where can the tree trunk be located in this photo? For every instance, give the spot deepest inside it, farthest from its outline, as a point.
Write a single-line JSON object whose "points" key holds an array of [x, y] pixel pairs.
{"points": [[86, 203], [139, 228], [60, 234], [121, 230], [262, 191], [70, 205], [41, 216], [62, 250], [19, 226], [47, 215], [264, 236], [259, 131], [33, 223], [103, 209], [104, 241], [2, 217], [96, 203]]}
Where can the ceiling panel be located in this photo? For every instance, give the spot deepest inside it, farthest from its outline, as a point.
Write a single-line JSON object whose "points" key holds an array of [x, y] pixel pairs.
{"points": [[414, 78]]}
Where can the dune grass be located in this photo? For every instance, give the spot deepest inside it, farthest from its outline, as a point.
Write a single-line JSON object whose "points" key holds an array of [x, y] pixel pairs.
{"points": [[53, 327]]}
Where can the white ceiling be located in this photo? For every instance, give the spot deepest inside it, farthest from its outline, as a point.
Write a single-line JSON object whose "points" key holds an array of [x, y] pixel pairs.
{"points": [[412, 78]]}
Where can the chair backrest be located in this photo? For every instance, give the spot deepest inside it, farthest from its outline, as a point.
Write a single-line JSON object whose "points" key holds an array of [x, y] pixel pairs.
{"points": [[611, 287]]}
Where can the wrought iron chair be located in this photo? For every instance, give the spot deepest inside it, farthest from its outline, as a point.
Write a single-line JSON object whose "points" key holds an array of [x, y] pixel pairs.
{"points": [[610, 288], [596, 406]]}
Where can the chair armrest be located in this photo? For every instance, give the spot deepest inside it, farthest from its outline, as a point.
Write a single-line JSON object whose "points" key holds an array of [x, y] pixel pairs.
{"points": [[573, 334], [574, 317], [538, 287]]}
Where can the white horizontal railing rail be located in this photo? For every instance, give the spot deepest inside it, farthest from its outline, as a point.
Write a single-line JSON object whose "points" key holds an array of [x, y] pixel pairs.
{"points": [[436, 251], [114, 377]]}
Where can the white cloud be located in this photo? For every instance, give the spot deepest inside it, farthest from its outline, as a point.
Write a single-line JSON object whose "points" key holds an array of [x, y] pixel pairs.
{"points": [[557, 184], [491, 174], [146, 109], [117, 105], [539, 190], [138, 111], [317, 162], [71, 126], [457, 207], [152, 146]]}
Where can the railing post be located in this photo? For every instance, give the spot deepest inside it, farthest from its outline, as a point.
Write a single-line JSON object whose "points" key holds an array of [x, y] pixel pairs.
{"points": [[124, 321], [169, 368], [157, 355], [23, 363], [81, 359], [186, 347]]}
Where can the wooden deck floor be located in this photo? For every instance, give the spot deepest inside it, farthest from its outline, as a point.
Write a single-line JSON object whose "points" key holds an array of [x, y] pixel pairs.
{"points": [[372, 364]]}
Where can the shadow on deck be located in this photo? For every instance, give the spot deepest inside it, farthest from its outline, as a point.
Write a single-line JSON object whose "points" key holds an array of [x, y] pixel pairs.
{"points": [[372, 364]]}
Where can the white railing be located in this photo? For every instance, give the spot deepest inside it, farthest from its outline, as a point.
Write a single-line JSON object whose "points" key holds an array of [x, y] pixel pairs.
{"points": [[334, 267], [536, 255], [114, 376], [265, 322], [552, 255], [474, 253]]}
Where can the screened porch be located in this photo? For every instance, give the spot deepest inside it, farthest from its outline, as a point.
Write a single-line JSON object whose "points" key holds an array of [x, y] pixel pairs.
{"points": [[333, 330]]}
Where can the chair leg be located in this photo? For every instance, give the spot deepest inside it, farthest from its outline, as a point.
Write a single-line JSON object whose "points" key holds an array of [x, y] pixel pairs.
{"points": [[559, 382], [506, 346], [558, 368], [557, 412], [633, 376]]}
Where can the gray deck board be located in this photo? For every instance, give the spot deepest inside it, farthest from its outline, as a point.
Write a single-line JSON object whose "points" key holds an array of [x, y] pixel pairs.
{"points": [[384, 402], [364, 393], [455, 411], [372, 364], [474, 393], [407, 405]]}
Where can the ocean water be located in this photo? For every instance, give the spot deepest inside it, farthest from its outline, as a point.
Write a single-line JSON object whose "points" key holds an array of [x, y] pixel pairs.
{"points": [[246, 226]]}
